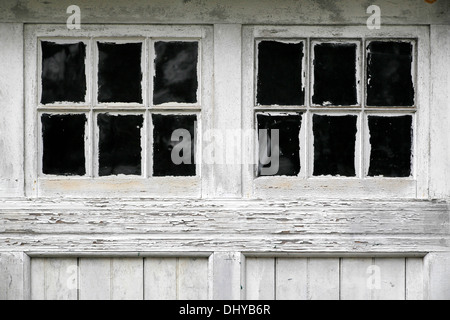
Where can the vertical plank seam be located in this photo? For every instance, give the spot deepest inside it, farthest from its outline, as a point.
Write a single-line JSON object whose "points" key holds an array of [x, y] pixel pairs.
{"points": [[406, 280], [177, 274], [275, 278], [308, 290], [78, 278], [340, 278], [143, 278]]}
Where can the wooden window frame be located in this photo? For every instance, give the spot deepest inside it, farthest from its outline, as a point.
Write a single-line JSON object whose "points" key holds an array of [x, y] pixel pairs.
{"points": [[305, 185], [91, 185]]}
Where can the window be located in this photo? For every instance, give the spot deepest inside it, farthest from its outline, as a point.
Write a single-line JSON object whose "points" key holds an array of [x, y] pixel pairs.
{"points": [[104, 104], [338, 111]]}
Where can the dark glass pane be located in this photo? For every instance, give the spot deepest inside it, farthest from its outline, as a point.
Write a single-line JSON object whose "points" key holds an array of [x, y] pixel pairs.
{"points": [[334, 145], [119, 72], [165, 150], [175, 72], [63, 72], [390, 141], [119, 144], [286, 150], [280, 73], [63, 144], [335, 74], [389, 79]]}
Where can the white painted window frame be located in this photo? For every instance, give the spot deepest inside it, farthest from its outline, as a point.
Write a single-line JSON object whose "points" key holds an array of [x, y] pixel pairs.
{"points": [[90, 185], [304, 185]]}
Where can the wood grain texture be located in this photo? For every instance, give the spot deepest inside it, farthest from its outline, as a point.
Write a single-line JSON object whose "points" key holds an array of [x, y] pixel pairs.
{"points": [[85, 225], [234, 11], [11, 104]]}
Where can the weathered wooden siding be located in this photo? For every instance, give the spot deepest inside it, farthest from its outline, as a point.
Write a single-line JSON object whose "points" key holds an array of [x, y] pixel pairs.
{"points": [[224, 225], [330, 236], [230, 11]]}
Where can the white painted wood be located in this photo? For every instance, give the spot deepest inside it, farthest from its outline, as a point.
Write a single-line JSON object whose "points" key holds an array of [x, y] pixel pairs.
{"points": [[54, 279], [14, 276], [393, 279], [160, 278], [170, 225], [95, 279], [335, 187], [37, 284], [291, 279], [235, 11], [439, 112], [11, 106], [127, 281], [354, 278], [192, 279], [323, 279], [41, 185], [414, 279], [227, 275], [260, 278], [436, 273], [227, 110]]}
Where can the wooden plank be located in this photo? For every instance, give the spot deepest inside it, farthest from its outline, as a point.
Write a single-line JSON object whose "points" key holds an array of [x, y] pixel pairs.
{"points": [[393, 274], [95, 279], [323, 279], [409, 12], [54, 279], [14, 276], [226, 275], [37, 270], [260, 278], [192, 279], [437, 270], [291, 278], [227, 113], [439, 111], [11, 119], [354, 278], [127, 281], [414, 279], [160, 278]]}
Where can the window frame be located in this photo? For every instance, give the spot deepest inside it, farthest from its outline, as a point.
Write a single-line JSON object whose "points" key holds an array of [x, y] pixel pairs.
{"points": [[91, 185], [301, 186]]}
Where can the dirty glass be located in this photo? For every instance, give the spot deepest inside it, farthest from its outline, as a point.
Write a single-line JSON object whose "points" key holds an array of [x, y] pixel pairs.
{"points": [[119, 144], [334, 145], [389, 74], [280, 71], [335, 74], [63, 72], [286, 149], [390, 141], [175, 77], [63, 144], [119, 72], [166, 149]]}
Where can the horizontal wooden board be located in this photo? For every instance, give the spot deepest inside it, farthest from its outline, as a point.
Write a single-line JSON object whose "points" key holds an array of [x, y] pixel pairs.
{"points": [[244, 225]]}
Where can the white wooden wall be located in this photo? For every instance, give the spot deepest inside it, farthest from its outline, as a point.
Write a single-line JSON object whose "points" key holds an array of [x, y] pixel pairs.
{"points": [[119, 278], [373, 227], [334, 278], [265, 278]]}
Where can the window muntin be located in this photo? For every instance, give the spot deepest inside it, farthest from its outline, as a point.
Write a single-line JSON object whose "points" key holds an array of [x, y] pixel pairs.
{"points": [[362, 184], [335, 81], [119, 138], [133, 175]]}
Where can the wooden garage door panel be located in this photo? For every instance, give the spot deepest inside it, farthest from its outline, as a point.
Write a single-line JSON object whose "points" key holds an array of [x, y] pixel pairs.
{"points": [[334, 278], [119, 278]]}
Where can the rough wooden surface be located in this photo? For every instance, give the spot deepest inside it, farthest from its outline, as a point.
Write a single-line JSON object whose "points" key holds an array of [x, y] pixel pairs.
{"points": [[223, 225], [230, 11]]}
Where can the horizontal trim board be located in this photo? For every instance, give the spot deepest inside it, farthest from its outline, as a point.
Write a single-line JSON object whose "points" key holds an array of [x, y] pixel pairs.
{"points": [[233, 11]]}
